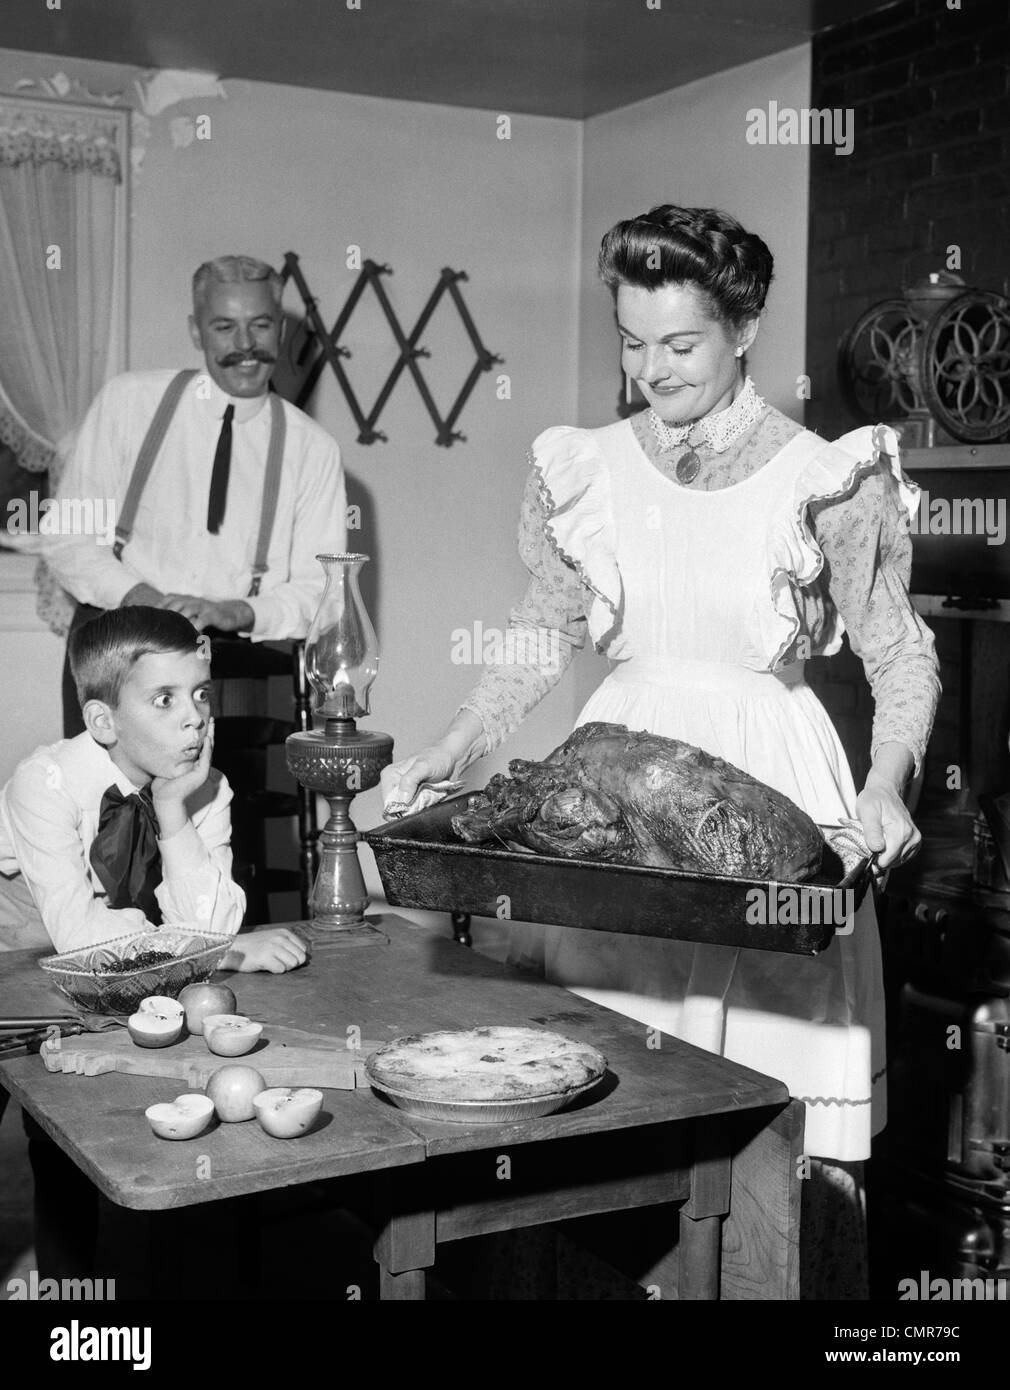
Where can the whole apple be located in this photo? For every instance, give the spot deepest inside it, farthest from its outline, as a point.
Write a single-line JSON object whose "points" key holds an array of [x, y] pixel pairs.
{"points": [[202, 999], [232, 1090]]}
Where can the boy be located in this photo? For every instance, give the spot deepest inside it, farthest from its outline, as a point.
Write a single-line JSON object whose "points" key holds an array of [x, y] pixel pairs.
{"points": [[128, 824], [123, 826]]}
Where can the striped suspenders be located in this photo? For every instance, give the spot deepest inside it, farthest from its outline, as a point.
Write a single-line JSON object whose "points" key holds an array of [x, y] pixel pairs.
{"points": [[151, 446]]}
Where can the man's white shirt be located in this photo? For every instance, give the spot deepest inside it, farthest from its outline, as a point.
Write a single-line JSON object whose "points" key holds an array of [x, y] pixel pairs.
{"points": [[170, 547]]}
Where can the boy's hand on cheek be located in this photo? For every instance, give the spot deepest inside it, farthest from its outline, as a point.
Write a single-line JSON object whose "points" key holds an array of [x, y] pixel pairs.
{"points": [[169, 793], [276, 950]]}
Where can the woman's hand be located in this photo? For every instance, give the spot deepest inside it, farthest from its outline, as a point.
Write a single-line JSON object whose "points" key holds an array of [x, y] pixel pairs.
{"points": [[276, 950], [886, 823], [401, 781], [881, 809]]}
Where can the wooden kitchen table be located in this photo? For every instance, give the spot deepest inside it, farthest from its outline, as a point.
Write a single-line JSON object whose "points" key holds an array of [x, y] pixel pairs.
{"points": [[668, 1124]]}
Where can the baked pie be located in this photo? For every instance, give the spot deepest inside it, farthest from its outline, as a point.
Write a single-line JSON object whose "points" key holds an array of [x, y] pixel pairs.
{"points": [[489, 1065]]}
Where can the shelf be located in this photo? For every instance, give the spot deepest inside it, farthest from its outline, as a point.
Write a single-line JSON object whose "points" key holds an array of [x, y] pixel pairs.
{"points": [[966, 456], [932, 606]]}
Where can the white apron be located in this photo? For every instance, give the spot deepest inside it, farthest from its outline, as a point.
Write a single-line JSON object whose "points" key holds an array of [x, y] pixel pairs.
{"points": [[695, 585]]}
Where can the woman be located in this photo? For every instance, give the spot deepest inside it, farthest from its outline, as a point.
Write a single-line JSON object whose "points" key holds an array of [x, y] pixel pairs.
{"points": [[711, 544]]}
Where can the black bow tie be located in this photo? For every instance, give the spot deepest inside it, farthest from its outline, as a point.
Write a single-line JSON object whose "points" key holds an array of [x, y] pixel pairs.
{"points": [[125, 854]]}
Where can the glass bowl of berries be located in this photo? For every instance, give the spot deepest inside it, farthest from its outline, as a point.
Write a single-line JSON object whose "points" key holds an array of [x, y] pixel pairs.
{"points": [[112, 977]]}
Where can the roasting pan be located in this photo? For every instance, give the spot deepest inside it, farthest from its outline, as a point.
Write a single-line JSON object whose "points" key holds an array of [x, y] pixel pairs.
{"points": [[422, 864]]}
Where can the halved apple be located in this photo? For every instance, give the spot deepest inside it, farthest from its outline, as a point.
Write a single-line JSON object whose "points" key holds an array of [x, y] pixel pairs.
{"points": [[285, 1112], [182, 1118], [230, 1035], [158, 1021]]}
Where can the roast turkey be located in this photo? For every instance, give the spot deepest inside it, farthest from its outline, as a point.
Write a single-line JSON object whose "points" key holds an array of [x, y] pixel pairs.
{"points": [[608, 793]]}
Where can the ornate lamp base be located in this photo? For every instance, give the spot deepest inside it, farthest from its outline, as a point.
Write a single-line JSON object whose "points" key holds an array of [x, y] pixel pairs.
{"points": [[338, 762], [361, 934]]}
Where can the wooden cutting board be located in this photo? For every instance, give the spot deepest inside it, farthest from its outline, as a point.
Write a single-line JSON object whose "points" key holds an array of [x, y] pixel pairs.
{"points": [[284, 1057]]}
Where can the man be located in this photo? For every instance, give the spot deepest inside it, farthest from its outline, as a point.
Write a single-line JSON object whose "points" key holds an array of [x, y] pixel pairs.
{"points": [[224, 494]]}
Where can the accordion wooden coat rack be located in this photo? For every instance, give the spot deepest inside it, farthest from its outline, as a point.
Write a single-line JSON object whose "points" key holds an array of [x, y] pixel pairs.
{"points": [[326, 345]]}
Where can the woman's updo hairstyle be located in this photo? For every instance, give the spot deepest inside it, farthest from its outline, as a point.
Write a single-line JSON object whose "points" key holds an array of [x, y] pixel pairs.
{"points": [[698, 246]]}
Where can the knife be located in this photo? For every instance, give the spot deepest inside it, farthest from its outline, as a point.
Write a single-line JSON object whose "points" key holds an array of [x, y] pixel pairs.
{"points": [[23, 1032]]}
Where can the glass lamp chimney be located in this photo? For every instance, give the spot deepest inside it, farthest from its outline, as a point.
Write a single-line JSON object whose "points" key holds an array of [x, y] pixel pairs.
{"points": [[341, 651]]}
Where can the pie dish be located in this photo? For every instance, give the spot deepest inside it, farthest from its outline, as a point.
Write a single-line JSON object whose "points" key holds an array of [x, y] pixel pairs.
{"points": [[484, 1075]]}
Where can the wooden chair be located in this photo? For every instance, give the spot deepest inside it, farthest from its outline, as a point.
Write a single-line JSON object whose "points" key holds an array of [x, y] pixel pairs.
{"points": [[244, 733]]}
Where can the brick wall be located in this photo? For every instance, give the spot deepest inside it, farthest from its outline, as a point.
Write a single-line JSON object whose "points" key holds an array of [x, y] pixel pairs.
{"points": [[929, 89]]}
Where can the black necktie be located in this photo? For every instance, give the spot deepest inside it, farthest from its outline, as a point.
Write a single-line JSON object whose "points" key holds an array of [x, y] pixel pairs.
{"points": [[219, 477], [125, 854]]}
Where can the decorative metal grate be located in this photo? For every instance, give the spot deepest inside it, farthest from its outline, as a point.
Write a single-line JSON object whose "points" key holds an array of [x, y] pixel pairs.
{"points": [[322, 346], [878, 357], [967, 356], [938, 358]]}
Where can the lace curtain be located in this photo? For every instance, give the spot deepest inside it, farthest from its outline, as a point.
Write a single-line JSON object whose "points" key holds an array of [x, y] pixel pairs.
{"points": [[63, 270]]}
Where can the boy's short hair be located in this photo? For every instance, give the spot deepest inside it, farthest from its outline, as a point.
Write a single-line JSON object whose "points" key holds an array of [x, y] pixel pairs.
{"points": [[104, 650]]}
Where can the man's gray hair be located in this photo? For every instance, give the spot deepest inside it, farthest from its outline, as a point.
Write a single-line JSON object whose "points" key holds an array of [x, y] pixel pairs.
{"points": [[229, 270]]}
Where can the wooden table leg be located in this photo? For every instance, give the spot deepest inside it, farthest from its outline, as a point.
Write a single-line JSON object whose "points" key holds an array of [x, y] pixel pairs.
{"points": [[699, 1249], [700, 1246], [739, 1229], [411, 1285], [405, 1245], [761, 1236]]}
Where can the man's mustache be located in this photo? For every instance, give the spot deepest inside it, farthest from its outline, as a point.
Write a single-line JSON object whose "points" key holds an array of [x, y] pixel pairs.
{"points": [[232, 359]]}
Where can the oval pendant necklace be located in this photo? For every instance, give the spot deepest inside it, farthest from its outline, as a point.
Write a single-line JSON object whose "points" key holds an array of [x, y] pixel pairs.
{"points": [[687, 467], [716, 431]]}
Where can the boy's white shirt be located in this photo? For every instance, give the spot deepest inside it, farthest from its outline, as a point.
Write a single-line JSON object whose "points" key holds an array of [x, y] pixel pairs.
{"points": [[49, 814]]}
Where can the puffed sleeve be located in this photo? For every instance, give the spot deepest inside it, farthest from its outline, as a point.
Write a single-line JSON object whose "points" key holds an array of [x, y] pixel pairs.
{"points": [[864, 538], [544, 630]]}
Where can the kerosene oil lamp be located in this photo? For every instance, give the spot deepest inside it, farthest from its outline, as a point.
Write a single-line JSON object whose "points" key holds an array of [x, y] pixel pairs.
{"points": [[335, 758]]}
